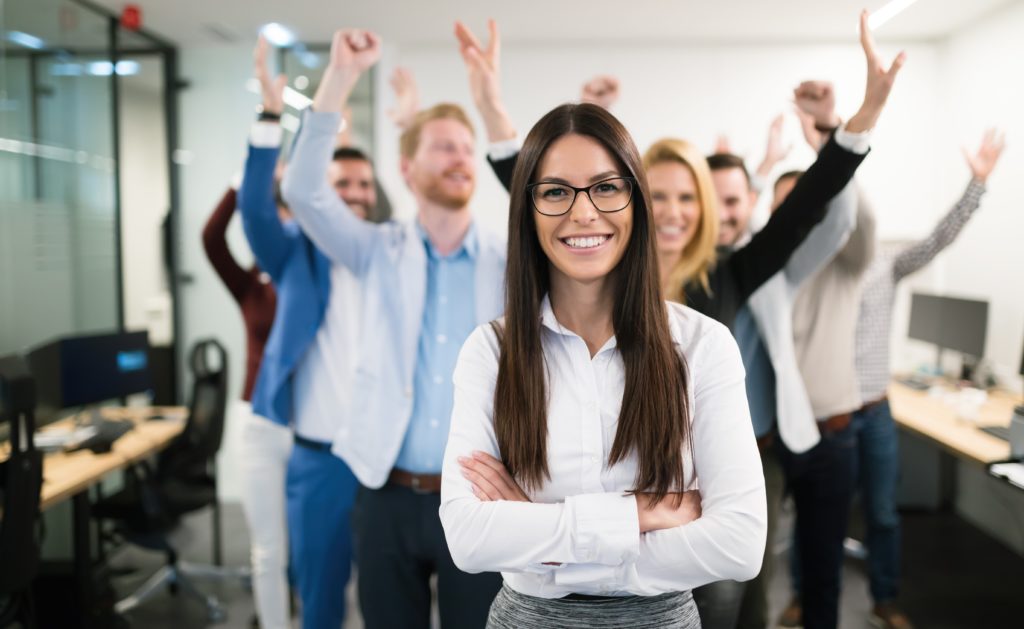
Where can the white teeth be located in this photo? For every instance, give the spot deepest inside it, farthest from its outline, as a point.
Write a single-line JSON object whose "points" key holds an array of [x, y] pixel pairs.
{"points": [[588, 242], [671, 230]]}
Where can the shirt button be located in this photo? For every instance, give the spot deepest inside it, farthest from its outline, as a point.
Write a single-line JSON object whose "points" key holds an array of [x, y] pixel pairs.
{"points": [[594, 460], [442, 339], [438, 380], [434, 423], [443, 299]]}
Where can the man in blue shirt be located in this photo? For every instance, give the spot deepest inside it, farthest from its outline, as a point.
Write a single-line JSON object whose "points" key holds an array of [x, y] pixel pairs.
{"points": [[426, 284]]}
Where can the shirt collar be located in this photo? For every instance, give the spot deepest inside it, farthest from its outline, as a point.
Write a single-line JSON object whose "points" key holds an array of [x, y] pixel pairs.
{"points": [[470, 244], [548, 320]]}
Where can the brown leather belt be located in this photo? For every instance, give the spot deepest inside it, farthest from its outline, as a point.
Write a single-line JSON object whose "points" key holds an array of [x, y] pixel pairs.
{"points": [[834, 424], [420, 483], [870, 405]]}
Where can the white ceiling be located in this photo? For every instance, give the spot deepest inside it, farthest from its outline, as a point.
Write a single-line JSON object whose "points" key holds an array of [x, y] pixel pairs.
{"points": [[191, 22]]}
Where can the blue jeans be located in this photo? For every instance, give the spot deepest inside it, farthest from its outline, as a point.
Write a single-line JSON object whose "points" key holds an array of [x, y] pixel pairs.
{"points": [[321, 491], [879, 473]]}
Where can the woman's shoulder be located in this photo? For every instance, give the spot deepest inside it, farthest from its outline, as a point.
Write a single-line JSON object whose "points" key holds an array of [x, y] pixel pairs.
{"points": [[693, 331]]}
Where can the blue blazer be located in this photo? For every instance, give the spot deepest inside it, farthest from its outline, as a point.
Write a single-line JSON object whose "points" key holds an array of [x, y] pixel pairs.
{"points": [[301, 274]]}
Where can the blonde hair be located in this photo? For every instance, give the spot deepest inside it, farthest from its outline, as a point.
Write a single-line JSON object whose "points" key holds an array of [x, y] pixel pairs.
{"points": [[698, 256], [410, 140]]}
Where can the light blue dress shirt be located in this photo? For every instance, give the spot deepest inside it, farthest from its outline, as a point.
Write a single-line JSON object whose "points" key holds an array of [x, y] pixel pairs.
{"points": [[448, 319], [760, 374]]}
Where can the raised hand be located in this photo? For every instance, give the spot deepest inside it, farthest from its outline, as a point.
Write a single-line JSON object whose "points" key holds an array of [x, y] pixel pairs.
{"points": [[879, 82], [601, 90], [353, 52], [491, 481], [483, 66], [722, 145], [272, 89], [818, 99], [984, 161], [482, 63], [807, 125], [774, 151], [407, 97]]}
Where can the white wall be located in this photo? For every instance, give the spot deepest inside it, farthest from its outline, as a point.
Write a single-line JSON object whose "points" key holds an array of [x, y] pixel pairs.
{"points": [[144, 204], [216, 112]]}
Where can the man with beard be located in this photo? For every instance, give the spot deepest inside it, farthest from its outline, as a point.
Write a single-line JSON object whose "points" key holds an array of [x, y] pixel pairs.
{"points": [[427, 284]]}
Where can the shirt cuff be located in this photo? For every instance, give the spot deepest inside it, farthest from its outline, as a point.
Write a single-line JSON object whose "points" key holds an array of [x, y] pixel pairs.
{"points": [[607, 528], [858, 143], [504, 149], [265, 135], [758, 183]]}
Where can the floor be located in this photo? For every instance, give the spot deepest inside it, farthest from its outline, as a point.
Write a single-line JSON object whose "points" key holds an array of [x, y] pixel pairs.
{"points": [[955, 577]]}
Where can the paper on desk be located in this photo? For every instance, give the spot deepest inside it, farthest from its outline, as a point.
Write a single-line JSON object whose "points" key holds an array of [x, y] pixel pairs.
{"points": [[61, 437], [1013, 472]]}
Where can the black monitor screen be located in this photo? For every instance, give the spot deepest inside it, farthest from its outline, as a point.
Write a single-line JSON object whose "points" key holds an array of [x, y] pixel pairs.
{"points": [[81, 370], [949, 322]]}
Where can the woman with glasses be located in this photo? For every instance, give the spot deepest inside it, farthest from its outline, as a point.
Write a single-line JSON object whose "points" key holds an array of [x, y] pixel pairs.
{"points": [[601, 454]]}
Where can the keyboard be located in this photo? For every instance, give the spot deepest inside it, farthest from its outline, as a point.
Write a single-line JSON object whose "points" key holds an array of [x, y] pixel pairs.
{"points": [[914, 383], [1001, 432], [107, 432]]}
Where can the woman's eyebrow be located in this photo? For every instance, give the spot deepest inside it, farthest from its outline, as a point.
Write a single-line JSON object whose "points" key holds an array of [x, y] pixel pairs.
{"points": [[608, 174]]}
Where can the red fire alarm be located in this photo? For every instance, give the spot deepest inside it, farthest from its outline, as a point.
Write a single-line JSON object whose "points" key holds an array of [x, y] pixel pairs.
{"points": [[131, 17]]}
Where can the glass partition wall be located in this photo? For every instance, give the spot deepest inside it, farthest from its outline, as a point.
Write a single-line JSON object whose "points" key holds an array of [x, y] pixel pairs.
{"points": [[84, 104]]}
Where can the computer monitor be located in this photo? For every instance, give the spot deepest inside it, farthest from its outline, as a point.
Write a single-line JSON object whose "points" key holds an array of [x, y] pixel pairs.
{"points": [[82, 370], [949, 323]]}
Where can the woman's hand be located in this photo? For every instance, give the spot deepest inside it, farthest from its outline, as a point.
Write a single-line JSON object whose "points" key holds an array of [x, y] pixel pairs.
{"points": [[984, 161], [483, 67], [666, 514], [272, 89], [491, 481]]}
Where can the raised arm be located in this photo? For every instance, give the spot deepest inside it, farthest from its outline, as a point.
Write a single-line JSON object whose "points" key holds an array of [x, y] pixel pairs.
{"points": [[770, 249], [215, 243], [774, 152], [981, 163], [270, 242], [324, 217]]}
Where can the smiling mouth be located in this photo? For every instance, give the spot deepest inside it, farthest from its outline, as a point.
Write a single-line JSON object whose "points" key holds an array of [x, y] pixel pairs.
{"points": [[458, 177], [671, 230], [585, 242]]}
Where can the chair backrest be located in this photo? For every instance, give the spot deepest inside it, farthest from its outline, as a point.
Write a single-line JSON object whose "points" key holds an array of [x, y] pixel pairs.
{"points": [[21, 478], [199, 442]]}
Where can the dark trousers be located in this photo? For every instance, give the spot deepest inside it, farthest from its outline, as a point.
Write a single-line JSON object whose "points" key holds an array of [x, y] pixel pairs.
{"points": [[878, 478], [753, 612], [821, 481], [399, 544]]}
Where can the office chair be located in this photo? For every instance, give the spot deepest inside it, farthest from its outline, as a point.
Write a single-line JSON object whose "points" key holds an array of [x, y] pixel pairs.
{"points": [[21, 478], [182, 481]]}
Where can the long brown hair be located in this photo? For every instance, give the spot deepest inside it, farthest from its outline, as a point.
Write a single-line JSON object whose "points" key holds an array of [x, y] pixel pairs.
{"points": [[654, 422]]}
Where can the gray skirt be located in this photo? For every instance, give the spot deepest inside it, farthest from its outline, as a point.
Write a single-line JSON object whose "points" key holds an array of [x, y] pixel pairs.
{"points": [[512, 610]]}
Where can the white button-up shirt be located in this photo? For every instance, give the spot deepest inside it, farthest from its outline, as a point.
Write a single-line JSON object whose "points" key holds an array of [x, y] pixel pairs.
{"points": [[581, 518]]}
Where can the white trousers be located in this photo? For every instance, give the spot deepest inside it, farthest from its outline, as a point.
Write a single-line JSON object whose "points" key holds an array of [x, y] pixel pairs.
{"points": [[266, 448]]}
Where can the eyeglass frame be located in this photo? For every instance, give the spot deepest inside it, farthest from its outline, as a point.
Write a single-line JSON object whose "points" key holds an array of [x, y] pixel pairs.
{"points": [[576, 193]]}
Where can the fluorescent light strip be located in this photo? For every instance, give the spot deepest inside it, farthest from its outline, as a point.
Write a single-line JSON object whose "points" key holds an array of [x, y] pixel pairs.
{"points": [[26, 40], [278, 34], [887, 12]]}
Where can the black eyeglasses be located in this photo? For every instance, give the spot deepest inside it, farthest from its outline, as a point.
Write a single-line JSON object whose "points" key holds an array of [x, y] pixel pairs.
{"points": [[555, 199]]}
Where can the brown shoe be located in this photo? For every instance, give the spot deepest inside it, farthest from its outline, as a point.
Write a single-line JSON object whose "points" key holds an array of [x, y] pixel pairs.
{"points": [[793, 616], [888, 616]]}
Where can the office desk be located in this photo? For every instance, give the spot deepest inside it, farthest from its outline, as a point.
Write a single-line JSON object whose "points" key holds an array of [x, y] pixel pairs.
{"points": [[71, 474], [935, 419]]}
